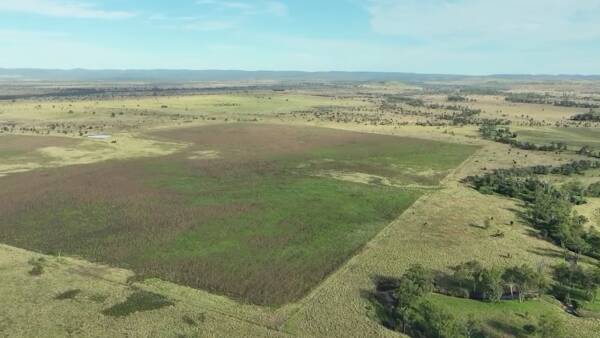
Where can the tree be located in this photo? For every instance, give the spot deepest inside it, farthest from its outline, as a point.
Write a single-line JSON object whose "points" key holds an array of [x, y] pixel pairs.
{"points": [[551, 214], [413, 285], [433, 321], [592, 238], [421, 277], [525, 279], [491, 284], [576, 191], [593, 190], [407, 295], [510, 278], [591, 283], [469, 272]]}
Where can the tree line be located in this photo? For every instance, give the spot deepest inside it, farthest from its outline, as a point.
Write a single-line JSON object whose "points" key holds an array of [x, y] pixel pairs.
{"points": [[549, 208], [590, 116], [503, 134], [536, 98], [403, 304]]}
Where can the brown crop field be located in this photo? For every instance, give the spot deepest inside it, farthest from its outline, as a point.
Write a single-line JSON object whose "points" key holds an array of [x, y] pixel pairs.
{"points": [[242, 211], [20, 145]]}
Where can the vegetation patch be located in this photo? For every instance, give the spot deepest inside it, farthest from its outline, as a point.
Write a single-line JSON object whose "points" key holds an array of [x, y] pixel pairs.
{"points": [[37, 266], [408, 304], [549, 208]]}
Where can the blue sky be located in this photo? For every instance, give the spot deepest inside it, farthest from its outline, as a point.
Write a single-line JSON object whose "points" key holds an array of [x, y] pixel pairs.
{"points": [[425, 36]]}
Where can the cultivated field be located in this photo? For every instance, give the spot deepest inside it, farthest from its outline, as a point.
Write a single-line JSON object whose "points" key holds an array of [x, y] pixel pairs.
{"points": [[272, 213], [245, 210]]}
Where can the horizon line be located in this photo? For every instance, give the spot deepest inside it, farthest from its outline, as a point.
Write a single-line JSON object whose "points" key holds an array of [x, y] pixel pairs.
{"points": [[292, 71]]}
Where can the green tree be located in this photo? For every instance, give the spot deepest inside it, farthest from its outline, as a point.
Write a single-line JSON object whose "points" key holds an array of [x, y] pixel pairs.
{"points": [[591, 283], [407, 294], [491, 284], [575, 190], [413, 285], [551, 214], [593, 190], [469, 273], [433, 321], [525, 279]]}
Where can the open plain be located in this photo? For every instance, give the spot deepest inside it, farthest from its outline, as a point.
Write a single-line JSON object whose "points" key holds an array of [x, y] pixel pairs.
{"points": [[262, 212]]}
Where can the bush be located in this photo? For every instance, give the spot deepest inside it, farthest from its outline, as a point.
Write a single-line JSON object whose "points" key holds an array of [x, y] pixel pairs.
{"points": [[529, 329], [593, 190], [37, 266]]}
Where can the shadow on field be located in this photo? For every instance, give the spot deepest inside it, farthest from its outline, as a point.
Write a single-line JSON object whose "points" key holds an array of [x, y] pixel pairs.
{"points": [[383, 300], [506, 329], [547, 252], [521, 215], [477, 226], [70, 294], [139, 301]]}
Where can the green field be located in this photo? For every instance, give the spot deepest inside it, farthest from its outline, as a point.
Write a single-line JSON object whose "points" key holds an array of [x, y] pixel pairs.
{"points": [[575, 138], [242, 211], [504, 317]]}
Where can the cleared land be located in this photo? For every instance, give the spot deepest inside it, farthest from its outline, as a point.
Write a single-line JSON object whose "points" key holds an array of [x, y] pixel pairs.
{"points": [[574, 137], [21, 153], [225, 207], [242, 211]]}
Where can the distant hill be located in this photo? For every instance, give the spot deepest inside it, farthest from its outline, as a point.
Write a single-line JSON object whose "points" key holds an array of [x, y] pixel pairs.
{"points": [[238, 75]]}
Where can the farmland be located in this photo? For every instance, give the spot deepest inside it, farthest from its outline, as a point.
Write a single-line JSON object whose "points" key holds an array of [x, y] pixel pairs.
{"points": [[230, 224], [271, 213]]}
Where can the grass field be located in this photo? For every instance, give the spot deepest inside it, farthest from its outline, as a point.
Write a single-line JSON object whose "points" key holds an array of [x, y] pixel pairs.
{"points": [[575, 138], [252, 220], [139, 110], [503, 318]]}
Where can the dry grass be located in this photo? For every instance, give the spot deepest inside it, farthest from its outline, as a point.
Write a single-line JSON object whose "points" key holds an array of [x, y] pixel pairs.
{"points": [[52, 152], [439, 230], [36, 312]]}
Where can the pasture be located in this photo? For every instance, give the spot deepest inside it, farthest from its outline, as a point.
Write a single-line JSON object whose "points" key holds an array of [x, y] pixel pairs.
{"points": [[21, 153], [197, 218], [242, 211], [575, 138]]}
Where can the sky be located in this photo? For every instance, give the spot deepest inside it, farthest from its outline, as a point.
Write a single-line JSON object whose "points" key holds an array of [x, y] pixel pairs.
{"points": [[474, 37]]}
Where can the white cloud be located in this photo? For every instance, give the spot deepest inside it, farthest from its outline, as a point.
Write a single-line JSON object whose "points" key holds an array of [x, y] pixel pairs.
{"points": [[193, 23], [271, 7], [63, 9], [209, 25], [229, 15], [512, 21], [276, 8]]}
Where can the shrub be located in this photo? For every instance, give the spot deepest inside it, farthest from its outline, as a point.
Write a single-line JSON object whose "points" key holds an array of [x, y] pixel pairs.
{"points": [[593, 190], [529, 329], [37, 266]]}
